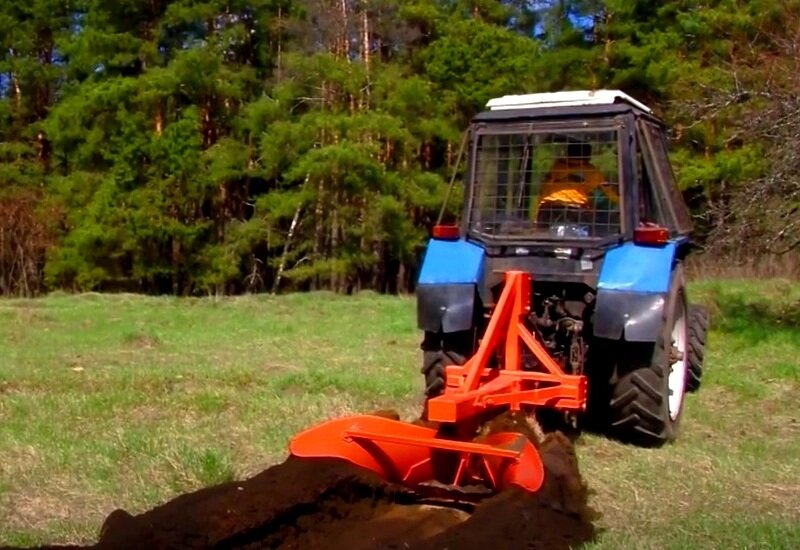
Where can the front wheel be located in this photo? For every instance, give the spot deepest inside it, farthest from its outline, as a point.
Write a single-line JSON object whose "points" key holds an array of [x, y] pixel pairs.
{"points": [[647, 397]]}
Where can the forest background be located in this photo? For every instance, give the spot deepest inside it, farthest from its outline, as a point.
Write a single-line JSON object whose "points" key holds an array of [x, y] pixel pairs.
{"points": [[211, 146]]}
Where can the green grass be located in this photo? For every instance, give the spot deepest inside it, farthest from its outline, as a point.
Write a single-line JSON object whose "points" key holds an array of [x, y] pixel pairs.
{"points": [[126, 401]]}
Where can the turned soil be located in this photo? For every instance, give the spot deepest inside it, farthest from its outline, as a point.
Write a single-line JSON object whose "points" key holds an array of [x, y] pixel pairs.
{"points": [[324, 503]]}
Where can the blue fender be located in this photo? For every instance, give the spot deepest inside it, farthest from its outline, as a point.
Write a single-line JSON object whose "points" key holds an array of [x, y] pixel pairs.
{"points": [[447, 285], [632, 290]]}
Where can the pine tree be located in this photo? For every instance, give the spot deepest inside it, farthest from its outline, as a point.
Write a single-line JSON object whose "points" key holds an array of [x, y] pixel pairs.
{"points": [[194, 146], [30, 76]]}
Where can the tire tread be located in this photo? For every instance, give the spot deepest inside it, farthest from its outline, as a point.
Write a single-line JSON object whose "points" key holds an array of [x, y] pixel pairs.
{"points": [[698, 336]]}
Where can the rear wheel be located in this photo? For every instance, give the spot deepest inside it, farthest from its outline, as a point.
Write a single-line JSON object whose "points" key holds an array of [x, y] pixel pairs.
{"points": [[647, 396], [440, 350], [698, 329]]}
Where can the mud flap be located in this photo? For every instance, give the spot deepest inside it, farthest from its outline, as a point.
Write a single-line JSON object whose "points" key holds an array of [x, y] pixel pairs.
{"points": [[638, 316], [450, 308]]}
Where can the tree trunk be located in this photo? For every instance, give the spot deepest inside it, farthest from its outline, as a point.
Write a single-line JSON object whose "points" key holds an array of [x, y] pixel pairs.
{"points": [[319, 229], [334, 282], [158, 122], [344, 39], [365, 36], [17, 92], [279, 55], [287, 247], [175, 260], [365, 56]]}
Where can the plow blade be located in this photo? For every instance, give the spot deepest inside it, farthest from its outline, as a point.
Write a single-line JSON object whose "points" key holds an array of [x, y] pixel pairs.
{"points": [[413, 455]]}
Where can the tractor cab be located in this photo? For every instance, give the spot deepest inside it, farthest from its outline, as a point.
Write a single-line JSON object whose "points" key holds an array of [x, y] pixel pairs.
{"points": [[585, 168], [555, 183]]}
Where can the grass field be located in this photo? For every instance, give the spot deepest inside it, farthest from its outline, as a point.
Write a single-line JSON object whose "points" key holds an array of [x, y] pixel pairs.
{"points": [[125, 401]]}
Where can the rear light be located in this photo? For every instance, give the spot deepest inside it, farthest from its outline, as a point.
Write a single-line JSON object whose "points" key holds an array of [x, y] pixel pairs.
{"points": [[651, 235], [446, 232]]}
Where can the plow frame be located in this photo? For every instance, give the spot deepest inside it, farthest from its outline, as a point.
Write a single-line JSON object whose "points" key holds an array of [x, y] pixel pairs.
{"points": [[477, 387], [448, 453]]}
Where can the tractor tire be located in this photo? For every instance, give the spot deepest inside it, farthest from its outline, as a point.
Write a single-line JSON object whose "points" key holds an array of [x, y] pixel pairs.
{"points": [[601, 363], [440, 350], [698, 331], [649, 386]]}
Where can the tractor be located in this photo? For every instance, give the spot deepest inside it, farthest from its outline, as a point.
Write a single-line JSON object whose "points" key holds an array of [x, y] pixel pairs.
{"points": [[576, 189], [560, 295]]}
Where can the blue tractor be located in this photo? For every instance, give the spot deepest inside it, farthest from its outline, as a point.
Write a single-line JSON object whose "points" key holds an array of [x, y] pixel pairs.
{"points": [[576, 189]]}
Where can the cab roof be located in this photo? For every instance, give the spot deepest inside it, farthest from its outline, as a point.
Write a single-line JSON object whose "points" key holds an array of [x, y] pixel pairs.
{"points": [[564, 99], [562, 104]]}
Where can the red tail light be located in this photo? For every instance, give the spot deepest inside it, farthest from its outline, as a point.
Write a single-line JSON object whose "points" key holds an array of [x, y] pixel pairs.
{"points": [[446, 232], [651, 236]]}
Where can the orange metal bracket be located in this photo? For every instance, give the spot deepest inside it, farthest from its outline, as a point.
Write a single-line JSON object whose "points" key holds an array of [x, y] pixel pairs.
{"points": [[473, 388]]}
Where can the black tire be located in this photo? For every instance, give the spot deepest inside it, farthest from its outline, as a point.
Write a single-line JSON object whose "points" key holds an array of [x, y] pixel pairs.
{"points": [[440, 350], [601, 363], [698, 331], [639, 409]]}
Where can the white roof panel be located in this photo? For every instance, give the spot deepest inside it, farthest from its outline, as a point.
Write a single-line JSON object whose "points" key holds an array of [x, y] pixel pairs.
{"points": [[564, 99]]}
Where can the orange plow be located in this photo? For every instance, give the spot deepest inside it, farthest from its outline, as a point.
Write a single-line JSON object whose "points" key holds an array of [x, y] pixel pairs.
{"points": [[493, 380]]}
